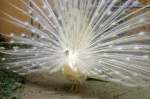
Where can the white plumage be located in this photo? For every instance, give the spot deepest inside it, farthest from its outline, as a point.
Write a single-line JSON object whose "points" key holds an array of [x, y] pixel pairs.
{"points": [[82, 38]]}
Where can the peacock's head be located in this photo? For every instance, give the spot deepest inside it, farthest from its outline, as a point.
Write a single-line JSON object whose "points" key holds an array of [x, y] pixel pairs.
{"points": [[71, 59]]}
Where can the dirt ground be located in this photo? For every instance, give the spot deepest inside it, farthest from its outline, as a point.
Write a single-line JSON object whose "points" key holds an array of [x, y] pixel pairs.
{"points": [[46, 86]]}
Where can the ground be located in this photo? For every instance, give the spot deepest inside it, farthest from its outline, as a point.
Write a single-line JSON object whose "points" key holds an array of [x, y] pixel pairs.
{"points": [[46, 86]]}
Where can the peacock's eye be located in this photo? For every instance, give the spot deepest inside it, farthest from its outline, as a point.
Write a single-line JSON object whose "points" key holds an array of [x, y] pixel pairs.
{"points": [[67, 52]]}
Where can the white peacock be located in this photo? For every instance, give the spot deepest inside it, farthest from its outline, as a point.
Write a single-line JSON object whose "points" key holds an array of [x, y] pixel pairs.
{"points": [[82, 39]]}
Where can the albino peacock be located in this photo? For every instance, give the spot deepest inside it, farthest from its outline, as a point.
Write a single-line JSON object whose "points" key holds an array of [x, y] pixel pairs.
{"points": [[82, 39]]}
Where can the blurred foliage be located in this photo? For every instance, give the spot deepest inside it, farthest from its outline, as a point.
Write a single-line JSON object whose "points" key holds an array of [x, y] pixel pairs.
{"points": [[9, 83]]}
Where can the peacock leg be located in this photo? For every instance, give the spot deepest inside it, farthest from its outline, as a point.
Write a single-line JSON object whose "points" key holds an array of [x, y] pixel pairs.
{"points": [[75, 87]]}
